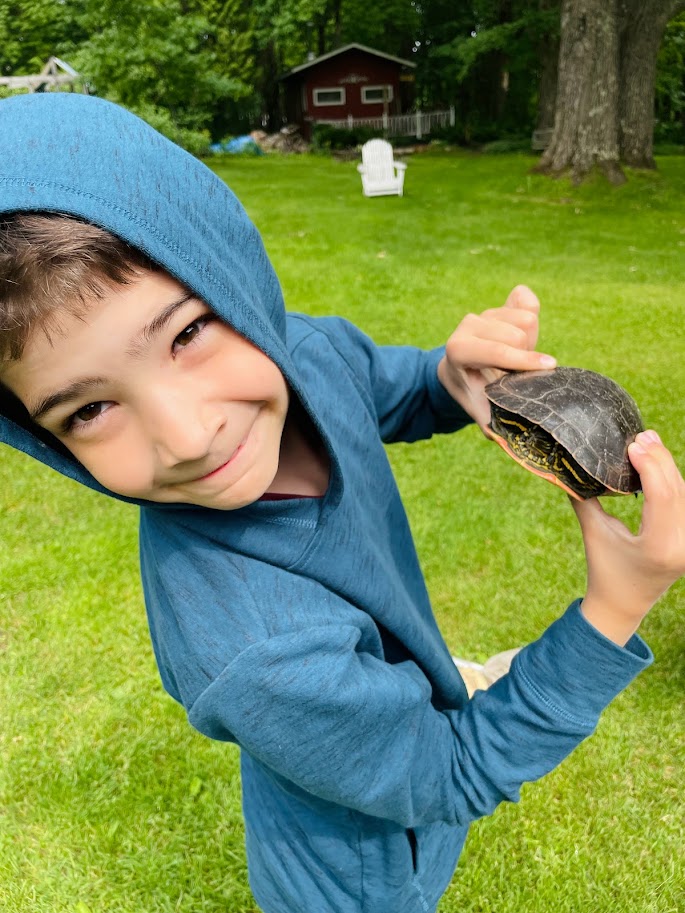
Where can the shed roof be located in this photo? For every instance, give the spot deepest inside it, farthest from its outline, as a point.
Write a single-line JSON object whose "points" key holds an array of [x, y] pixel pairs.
{"points": [[347, 47]]}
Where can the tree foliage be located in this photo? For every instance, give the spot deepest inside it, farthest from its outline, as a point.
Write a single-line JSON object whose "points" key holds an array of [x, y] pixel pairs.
{"points": [[670, 83], [161, 64], [484, 57], [197, 68], [31, 31]]}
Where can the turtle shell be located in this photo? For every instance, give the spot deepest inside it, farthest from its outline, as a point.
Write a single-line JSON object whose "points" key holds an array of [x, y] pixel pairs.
{"points": [[589, 415]]}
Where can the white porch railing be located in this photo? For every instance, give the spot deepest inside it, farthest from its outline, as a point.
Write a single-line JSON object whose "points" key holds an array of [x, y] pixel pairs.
{"points": [[418, 124]]}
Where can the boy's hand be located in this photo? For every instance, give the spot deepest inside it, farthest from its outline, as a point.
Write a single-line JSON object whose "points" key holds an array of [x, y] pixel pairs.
{"points": [[486, 345], [627, 574]]}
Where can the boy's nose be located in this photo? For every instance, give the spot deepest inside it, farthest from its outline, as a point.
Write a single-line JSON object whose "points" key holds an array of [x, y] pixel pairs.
{"points": [[184, 429]]}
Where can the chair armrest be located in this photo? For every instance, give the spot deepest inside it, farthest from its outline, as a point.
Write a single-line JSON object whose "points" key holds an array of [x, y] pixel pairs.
{"points": [[361, 169], [401, 166]]}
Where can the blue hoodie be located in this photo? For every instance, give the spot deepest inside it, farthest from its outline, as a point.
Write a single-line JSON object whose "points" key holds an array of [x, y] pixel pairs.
{"points": [[301, 630]]}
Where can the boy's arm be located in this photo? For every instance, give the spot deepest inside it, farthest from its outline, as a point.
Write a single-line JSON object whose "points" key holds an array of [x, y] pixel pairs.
{"points": [[415, 393], [320, 711], [351, 729]]}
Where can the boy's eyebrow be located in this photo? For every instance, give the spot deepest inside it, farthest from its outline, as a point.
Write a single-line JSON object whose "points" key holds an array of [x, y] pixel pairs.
{"points": [[156, 325], [65, 395], [76, 389]]}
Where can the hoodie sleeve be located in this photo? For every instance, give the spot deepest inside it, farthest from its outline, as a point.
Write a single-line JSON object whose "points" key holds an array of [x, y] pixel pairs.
{"points": [[400, 382], [351, 729]]}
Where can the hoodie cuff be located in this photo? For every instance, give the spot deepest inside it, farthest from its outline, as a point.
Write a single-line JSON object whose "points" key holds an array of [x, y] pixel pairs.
{"points": [[449, 414], [577, 671]]}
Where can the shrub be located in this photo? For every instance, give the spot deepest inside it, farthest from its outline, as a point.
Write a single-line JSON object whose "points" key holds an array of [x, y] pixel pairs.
{"points": [[453, 135], [409, 140], [326, 137], [512, 144], [670, 131]]}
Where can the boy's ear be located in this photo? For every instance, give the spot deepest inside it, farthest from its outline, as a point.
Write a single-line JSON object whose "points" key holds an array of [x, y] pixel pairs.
{"points": [[11, 407]]}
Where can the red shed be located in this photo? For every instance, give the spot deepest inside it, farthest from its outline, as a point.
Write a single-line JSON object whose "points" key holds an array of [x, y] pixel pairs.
{"points": [[352, 81]]}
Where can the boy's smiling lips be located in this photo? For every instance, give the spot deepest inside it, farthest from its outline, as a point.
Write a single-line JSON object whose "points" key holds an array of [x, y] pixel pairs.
{"points": [[216, 472], [228, 462]]}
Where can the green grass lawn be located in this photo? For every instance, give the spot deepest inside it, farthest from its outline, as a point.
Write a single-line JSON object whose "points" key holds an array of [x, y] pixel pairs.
{"points": [[110, 802]]}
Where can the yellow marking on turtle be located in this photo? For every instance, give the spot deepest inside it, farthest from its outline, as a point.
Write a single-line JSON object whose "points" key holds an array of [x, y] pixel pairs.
{"points": [[572, 471], [508, 421], [549, 476]]}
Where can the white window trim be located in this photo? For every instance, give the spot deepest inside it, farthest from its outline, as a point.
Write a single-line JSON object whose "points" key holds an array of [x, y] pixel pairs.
{"points": [[321, 104], [376, 101]]}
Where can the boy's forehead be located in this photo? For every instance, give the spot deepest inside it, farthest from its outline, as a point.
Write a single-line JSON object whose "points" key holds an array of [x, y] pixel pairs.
{"points": [[123, 317], [50, 352]]}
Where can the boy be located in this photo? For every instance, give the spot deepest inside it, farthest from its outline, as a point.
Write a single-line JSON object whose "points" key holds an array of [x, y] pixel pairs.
{"points": [[146, 353]]}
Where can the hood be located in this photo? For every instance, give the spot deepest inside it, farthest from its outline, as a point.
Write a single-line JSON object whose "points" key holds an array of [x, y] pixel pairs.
{"points": [[86, 157]]}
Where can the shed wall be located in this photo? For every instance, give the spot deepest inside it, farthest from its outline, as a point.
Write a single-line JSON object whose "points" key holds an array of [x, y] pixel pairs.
{"points": [[352, 71]]}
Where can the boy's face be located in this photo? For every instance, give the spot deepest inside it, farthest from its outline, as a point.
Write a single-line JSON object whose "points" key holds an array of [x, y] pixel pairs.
{"points": [[157, 398]]}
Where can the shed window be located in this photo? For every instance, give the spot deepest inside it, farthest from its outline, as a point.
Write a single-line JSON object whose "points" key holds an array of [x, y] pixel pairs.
{"points": [[371, 95], [329, 96]]}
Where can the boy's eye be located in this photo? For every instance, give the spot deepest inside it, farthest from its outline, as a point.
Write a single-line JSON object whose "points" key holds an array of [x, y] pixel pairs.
{"points": [[192, 331], [85, 417], [89, 412]]}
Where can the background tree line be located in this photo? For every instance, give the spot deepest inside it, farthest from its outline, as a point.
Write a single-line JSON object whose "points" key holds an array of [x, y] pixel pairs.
{"points": [[595, 70]]}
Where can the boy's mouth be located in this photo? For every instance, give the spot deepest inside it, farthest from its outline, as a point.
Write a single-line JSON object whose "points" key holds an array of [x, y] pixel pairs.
{"points": [[218, 469]]}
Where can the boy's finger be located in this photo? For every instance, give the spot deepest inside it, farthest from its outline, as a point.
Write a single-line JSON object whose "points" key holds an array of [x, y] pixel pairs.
{"points": [[662, 484], [523, 319], [523, 297], [512, 332], [515, 316], [589, 512], [655, 465], [488, 353]]}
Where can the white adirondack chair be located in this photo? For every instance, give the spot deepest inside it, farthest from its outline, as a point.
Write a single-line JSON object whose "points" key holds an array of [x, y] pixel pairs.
{"points": [[380, 173]]}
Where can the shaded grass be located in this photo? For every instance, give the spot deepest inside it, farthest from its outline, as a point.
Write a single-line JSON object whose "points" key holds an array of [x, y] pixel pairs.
{"points": [[109, 801]]}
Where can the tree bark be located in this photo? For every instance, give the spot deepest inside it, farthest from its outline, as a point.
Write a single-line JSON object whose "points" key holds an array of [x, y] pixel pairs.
{"points": [[586, 121], [641, 28], [547, 86], [271, 87], [606, 85], [548, 52]]}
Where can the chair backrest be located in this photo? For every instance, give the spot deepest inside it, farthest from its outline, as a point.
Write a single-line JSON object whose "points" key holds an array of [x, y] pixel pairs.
{"points": [[377, 157]]}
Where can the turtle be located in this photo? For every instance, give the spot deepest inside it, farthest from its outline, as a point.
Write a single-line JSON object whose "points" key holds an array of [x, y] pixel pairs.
{"points": [[568, 425]]}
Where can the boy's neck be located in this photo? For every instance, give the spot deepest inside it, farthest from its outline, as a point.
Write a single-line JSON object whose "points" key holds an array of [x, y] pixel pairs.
{"points": [[303, 467]]}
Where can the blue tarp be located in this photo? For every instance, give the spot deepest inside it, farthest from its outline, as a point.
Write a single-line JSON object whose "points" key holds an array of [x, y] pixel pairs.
{"points": [[237, 146]]}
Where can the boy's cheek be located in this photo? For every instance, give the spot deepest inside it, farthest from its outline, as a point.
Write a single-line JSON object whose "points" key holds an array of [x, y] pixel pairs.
{"points": [[119, 469]]}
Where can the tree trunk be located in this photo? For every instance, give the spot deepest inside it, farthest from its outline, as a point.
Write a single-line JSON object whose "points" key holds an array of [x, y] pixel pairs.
{"points": [[642, 25], [548, 52], [337, 23], [500, 66], [321, 38], [586, 122], [271, 87], [547, 87]]}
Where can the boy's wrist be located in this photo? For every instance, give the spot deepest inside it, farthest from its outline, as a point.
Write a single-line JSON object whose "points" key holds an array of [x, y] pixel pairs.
{"points": [[445, 380], [456, 392], [577, 669], [616, 625]]}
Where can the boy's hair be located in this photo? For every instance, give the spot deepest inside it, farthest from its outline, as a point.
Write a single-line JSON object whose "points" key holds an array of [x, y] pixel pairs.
{"points": [[51, 264]]}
